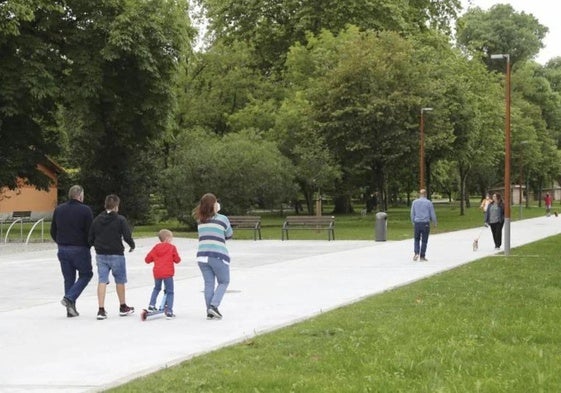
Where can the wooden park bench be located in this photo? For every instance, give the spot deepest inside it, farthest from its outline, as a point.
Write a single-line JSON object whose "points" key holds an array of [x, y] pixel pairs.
{"points": [[309, 223], [247, 222]]}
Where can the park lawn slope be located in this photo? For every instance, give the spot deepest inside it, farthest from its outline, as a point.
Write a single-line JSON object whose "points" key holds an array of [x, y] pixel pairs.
{"points": [[489, 326]]}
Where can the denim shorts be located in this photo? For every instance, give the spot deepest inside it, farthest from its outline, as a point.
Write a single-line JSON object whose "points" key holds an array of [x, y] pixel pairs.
{"points": [[114, 263]]}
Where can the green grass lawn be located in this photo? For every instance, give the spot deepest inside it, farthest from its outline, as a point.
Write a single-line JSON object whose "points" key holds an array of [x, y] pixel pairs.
{"points": [[489, 326]]}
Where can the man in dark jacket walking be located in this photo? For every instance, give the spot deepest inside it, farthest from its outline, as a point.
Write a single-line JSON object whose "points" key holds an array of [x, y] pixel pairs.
{"points": [[107, 233], [69, 229]]}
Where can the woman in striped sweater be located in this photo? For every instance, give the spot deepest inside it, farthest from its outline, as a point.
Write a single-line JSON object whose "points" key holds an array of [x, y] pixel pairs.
{"points": [[212, 254]]}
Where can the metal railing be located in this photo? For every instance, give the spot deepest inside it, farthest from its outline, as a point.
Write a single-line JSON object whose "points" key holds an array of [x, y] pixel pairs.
{"points": [[21, 220]]}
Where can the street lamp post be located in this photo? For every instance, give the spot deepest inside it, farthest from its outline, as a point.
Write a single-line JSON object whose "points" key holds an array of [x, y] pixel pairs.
{"points": [[506, 57], [422, 150]]}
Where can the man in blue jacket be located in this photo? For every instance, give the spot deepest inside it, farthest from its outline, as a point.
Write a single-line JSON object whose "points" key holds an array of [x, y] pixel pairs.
{"points": [[422, 213], [69, 229]]}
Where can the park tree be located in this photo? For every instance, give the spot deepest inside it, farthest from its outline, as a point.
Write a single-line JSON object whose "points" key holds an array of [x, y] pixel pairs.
{"points": [[31, 69], [500, 30], [272, 26], [120, 93], [468, 102], [539, 85], [316, 170], [221, 91], [552, 72], [364, 90], [536, 124], [242, 169]]}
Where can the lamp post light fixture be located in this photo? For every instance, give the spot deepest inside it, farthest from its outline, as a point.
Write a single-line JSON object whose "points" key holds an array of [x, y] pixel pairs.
{"points": [[506, 57], [422, 149]]}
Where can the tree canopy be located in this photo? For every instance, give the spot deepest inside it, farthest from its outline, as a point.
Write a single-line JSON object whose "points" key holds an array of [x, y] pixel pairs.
{"points": [[291, 99], [500, 30]]}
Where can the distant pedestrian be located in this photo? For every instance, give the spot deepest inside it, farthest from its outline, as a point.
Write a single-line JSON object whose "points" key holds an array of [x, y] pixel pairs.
{"points": [[485, 202], [422, 213], [548, 201], [164, 255], [212, 254], [495, 217], [69, 229], [372, 203], [107, 233]]}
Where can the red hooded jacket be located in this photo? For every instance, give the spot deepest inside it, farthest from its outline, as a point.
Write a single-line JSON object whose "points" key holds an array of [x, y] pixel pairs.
{"points": [[164, 255]]}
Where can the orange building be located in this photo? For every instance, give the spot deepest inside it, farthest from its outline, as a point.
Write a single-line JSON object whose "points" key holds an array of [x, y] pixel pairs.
{"points": [[40, 203]]}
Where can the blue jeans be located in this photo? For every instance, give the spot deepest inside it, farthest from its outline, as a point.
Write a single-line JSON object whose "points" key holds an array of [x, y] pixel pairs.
{"points": [[215, 270], [115, 264], [422, 230], [75, 259], [168, 290]]}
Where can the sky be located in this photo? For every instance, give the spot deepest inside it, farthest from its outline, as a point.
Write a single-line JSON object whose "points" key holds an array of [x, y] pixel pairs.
{"points": [[545, 11]]}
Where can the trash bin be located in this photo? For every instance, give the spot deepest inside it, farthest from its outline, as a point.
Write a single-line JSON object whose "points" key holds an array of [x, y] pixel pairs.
{"points": [[381, 226]]}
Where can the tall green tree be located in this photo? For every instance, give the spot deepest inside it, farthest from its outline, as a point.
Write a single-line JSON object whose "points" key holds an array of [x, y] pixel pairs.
{"points": [[536, 125], [272, 26], [552, 72], [468, 107], [242, 169], [120, 94], [220, 83], [316, 169], [31, 65], [500, 30], [364, 90]]}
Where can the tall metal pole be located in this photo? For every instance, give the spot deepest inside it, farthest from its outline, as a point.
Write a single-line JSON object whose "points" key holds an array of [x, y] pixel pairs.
{"points": [[507, 158], [422, 150], [507, 150]]}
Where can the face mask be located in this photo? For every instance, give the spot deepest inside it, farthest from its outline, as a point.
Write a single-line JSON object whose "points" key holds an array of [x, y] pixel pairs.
{"points": [[217, 207]]}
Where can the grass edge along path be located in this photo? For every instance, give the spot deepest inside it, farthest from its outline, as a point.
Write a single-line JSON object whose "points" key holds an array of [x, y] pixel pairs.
{"points": [[489, 326]]}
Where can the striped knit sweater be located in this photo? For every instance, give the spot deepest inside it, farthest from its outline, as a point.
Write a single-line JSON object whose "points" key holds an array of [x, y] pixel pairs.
{"points": [[212, 238]]}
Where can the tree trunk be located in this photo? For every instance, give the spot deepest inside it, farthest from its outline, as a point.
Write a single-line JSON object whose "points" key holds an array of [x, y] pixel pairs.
{"points": [[463, 176], [342, 204]]}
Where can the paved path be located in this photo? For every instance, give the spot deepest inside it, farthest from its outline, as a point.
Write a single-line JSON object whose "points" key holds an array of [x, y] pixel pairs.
{"points": [[273, 284]]}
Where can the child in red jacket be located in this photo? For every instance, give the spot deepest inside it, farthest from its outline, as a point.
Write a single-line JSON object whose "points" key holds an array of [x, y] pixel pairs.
{"points": [[164, 255]]}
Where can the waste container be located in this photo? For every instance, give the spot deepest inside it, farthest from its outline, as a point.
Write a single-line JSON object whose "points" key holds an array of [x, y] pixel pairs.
{"points": [[381, 226]]}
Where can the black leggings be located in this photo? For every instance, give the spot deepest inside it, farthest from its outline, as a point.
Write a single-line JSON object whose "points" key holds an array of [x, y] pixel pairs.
{"points": [[497, 231]]}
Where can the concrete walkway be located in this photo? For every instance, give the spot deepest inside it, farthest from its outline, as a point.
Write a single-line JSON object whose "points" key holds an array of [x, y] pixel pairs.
{"points": [[273, 284]]}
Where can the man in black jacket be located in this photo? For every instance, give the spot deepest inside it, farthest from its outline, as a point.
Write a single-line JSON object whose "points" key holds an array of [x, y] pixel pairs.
{"points": [[69, 229], [107, 233]]}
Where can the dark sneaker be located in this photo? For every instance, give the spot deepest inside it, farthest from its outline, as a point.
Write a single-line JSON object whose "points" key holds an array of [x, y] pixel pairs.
{"points": [[170, 315], [69, 315], [214, 312], [152, 308], [101, 314], [209, 316], [125, 310], [70, 307], [423, 259]]}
